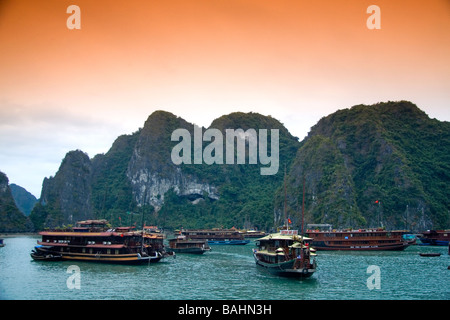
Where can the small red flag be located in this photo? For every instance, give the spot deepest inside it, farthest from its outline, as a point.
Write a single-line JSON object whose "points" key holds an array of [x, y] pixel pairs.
{"points": [[289, 221]]}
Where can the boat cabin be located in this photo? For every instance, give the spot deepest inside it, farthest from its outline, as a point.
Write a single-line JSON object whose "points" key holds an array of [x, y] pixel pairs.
{"points": [[276, 248]]}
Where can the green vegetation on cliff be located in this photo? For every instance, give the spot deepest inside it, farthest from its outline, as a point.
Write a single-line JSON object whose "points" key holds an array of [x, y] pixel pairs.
{"points": [[11, 218], [386, 164], [25, 201]]}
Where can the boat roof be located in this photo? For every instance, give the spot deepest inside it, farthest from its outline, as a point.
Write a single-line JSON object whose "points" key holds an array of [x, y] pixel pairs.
{"points": [[90, 234], [369, 230], [279, 236], [75, 234], [92, 222], [210, 230], [279, 253]]}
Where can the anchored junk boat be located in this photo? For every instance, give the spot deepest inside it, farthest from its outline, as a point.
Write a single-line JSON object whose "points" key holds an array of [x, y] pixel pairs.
{"points": [[181, 244], [216, 236], [286, 254], [435, 237], [253, 234], [91, 240], [360, 239]]}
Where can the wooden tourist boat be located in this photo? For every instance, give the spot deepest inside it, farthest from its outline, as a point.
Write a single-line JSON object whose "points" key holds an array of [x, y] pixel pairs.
{"points": [[182, 245], [216, 236], [91, 240], [361, 239], [285, 254], [435, 237]]}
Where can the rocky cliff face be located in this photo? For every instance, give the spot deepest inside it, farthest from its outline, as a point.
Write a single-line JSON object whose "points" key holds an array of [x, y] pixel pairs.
{"points": [[151, 171], [150, 187]]}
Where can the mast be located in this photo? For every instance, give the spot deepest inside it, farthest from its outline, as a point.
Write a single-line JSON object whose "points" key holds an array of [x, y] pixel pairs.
{"points": [[303, 204], [142, 240], [285, 196], [142, 221]]}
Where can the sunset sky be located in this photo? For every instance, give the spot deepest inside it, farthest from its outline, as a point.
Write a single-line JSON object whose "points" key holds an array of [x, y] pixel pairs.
{"points": [[295, 60]]}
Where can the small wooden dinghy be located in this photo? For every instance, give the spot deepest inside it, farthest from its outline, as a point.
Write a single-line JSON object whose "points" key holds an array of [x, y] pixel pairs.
{"points": [[429, 254], [47, 257]]}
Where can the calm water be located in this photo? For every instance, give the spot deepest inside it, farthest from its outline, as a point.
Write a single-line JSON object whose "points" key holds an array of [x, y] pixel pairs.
{"points": [[225, 273]]}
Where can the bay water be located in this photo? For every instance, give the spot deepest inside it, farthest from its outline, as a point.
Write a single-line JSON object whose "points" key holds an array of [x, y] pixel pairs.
{"points": [[228, 272]]}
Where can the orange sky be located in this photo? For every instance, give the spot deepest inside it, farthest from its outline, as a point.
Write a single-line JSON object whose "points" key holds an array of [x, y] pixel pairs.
{"points": [[295, 60]]}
